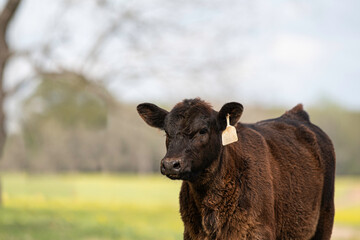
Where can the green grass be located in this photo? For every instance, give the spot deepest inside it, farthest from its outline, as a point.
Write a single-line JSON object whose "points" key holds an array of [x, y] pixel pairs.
{"points": [[89, 207], [92, 207]]}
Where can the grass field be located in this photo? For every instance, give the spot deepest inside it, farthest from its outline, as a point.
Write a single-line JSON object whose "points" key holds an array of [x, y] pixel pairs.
{"points": [[95, 207]]}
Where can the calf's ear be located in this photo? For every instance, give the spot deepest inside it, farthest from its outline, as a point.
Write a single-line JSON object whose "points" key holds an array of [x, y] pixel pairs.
{"points": [[152, 114], [234, 109]]}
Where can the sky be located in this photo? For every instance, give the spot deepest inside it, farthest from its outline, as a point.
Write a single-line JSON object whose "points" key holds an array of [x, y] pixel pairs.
{"points": [[271, 53]]}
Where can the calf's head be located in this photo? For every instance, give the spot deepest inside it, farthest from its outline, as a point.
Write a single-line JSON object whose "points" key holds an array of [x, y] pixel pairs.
{"points": [[193, 134]]}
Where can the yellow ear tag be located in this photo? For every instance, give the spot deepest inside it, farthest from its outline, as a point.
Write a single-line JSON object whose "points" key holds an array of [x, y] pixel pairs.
{"points": [[229, 135]]}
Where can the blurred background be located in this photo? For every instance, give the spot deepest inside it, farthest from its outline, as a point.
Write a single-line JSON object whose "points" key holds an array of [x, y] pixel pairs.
{"points": [[77, 162]]}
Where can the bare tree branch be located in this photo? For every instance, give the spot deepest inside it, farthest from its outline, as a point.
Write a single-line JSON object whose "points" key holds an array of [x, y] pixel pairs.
{"points": [[7, 14]]}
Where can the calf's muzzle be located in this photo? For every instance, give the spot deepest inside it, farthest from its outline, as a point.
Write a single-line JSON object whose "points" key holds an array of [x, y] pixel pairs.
{"points": [[171, 166]]}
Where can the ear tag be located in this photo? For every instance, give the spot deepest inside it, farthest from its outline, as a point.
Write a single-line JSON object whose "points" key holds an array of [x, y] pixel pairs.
{"points": [[229, 135]]}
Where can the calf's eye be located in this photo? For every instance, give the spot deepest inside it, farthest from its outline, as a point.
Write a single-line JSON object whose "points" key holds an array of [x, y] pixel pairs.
{"points": [[203, 131]]}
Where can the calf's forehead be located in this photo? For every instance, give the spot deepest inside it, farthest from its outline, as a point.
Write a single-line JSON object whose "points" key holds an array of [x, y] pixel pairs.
{"points": [[188, 119]]}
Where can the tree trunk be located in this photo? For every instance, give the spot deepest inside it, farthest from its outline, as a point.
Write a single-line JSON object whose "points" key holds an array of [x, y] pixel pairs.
{"points": [[6, 15]]}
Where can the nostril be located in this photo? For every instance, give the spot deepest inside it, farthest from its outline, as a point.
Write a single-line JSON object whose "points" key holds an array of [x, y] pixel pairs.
{"points": [[176, 165]]}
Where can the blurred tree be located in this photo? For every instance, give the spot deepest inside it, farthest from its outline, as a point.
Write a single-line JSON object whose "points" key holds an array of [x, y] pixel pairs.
{"points": [[68, 99], [54, 145], [71, 91], [6, 16]]}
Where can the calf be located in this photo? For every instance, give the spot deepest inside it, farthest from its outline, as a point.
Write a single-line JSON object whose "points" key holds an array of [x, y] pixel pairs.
{"points": [[275, 182]]}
